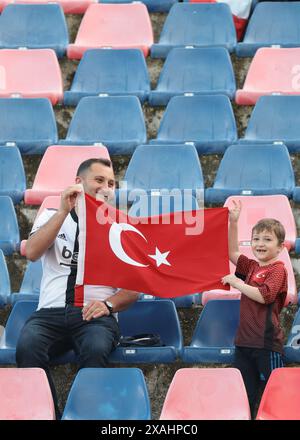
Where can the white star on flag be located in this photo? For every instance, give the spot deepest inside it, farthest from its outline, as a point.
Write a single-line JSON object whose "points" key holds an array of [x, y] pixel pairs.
{"points": [[160, 258]]}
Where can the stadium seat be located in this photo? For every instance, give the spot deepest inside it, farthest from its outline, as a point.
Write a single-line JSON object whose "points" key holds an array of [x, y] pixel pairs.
{"points": [[158, 169], [9, 338], [27, 123], [196, 25], [108, 394], [118, 72], [275, 119], [68, 6], [258, 207], [4, 281], [63, 161], [126, 26], [213, 337], [291, 298], [25, 395], [207, 121], [152, 5], [272, 71], [12, 174], [262, 170], [281, 397], [31, 283], [292, 346], [186, 301], [9, 231], [272, 23], [30, 73], [206, 394], [35, 26], [196, 71], [150, 317], [115, 121]]}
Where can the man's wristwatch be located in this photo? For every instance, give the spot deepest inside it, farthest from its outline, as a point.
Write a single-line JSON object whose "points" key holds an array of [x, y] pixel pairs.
{"points": [[110, 306]]}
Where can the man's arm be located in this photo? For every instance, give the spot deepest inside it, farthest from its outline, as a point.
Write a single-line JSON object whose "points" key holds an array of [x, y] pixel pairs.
{"points": [[43, 238], [120, 301], [233, 243]]}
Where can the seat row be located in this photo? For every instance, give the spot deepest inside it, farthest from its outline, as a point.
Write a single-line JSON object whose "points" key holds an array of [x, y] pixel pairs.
{"points": [[122, 394], [212, 340], [128, 25]]}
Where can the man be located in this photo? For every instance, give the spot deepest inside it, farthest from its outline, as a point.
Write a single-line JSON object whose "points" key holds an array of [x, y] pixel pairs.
{"points": [[93, 330]]}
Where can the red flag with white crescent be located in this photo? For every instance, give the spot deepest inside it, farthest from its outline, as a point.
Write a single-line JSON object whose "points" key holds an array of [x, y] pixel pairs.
{"points": [[168, 255]]}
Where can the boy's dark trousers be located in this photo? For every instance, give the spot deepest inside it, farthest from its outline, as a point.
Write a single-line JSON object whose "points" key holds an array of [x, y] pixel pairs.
{"points": [[256, 365]]}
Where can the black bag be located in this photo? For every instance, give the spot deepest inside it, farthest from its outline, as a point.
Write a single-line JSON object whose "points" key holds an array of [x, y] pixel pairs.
{"points": [[141, 340]]}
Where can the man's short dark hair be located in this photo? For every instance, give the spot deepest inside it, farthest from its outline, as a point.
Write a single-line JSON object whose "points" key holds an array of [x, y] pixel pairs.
{"points": [[84, 166]]}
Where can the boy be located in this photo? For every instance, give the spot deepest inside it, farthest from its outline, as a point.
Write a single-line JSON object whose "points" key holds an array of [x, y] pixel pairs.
{"points": [[263, 285]]}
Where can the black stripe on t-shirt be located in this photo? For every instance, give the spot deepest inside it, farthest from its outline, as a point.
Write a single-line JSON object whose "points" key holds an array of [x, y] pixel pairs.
{"points": [[70, 291]]}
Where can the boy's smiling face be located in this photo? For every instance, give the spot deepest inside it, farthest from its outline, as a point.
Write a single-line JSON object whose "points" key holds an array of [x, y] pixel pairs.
{"points": [[265, 246]]}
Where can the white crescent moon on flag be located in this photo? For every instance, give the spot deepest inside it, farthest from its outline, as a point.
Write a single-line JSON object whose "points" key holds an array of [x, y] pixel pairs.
{"points": [[115, 232]]}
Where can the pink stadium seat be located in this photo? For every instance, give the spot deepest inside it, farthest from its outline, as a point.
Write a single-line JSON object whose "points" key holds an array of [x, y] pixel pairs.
{"points": [[281, 397], [48, 202], [272, 71], [30, 73], [57, 170], [123, 26], [235, 294], [25, 395], [206, 394], [69, 6], [258, 207]]}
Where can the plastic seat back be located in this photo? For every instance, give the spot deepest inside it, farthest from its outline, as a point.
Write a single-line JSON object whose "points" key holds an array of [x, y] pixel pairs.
{"points": [[12, 174]]}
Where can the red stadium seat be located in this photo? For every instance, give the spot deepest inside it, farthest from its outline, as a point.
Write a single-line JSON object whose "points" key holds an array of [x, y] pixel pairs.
{"points": [[272, 71], [235, 294], [25, 395], [281, 397], [30, 73], [57, 170], [124, 26], [258, 207], [68, 6], [206, 394]]}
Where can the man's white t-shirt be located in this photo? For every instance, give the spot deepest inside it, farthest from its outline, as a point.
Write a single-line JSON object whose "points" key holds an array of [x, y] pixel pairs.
{"points": [[60, 266]]}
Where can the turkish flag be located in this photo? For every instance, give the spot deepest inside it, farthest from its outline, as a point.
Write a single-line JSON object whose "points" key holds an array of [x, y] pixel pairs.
{"points": [[240, 11], [168, 255]]}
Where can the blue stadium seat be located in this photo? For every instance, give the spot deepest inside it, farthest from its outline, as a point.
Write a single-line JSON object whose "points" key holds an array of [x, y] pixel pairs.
{"points": [[272, 23], [292, 346], [118, 72], [28, 123], [196, 25], [275, 119], [156, 317], [4, 281], [197, 71], [207, 121], [158, 169], [12, 174], [34, 27], [108, 394], [152, 5], [115, 121], [30, 287], [186, 301], [9, 231], [213, 338], [16, 320], [253, 170]]}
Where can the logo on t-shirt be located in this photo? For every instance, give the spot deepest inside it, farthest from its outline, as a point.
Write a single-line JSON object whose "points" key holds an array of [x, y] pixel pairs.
{"points": [[62, 236]]}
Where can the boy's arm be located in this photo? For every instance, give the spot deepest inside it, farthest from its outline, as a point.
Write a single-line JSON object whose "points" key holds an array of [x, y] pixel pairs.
{"points": [[233, 243], [250, 291]]}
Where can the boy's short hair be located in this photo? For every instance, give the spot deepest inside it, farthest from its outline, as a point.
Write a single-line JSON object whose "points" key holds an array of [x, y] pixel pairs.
{"points": [[270, 225]]}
